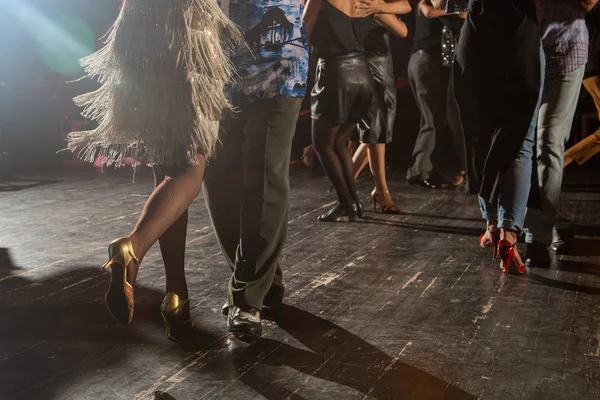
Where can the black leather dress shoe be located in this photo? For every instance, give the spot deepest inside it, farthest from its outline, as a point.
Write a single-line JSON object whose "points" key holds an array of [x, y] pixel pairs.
{"points": [[562, 240], [537, 255], [244, 322], [340, 213], [426, 183]]}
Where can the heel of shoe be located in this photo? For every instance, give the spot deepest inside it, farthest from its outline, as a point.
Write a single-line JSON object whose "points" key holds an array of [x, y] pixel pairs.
{"points": [[390, 208], [176, 315], [119, 296], [506, 251]]}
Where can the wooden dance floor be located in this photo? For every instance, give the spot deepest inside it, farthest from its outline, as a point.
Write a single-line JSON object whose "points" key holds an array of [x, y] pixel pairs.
{"points": [[395, 307]]}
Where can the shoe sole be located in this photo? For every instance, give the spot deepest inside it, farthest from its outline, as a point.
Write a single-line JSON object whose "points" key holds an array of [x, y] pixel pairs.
{"points": [[115, 298], [244, 335], [266, 313]]}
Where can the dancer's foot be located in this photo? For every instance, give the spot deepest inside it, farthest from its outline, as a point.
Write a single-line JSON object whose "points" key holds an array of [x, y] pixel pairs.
{"points": [[339, 213], [244, 322], [509, 254], [176, 316], [428, 183], [270, 312], [385, 202], [562, 241], [491, 237], [124, 266]]}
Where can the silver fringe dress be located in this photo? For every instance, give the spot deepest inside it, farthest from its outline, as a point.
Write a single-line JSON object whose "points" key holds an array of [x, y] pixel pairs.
{"points": [[162, 75]]}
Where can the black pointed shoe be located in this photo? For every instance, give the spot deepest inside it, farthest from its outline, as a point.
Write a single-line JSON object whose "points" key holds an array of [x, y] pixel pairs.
{"points": [[339, 213]]}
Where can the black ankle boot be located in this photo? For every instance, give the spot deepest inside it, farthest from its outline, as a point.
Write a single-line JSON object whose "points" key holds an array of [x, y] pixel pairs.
{"points": [[339, 213], [537, 255]]}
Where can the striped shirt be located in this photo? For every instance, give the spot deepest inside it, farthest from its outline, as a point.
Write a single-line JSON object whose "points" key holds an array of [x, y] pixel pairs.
{"points": [[564, 35]]}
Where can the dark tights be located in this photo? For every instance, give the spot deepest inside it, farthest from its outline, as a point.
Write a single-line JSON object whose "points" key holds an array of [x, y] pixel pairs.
{"points": [[165, 217], [331, 145]]}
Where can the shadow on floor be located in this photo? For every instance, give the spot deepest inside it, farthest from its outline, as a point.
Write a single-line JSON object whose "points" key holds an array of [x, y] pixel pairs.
{"points": [[585, 248], [579, 267], [443, 217], [568, 266], [18, 184], [586, 230], [58, 331], [337, 356], [454, 230]]}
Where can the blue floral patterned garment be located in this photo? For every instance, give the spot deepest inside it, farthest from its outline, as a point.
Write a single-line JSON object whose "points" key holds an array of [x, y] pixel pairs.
{"points": [[274, 62]]}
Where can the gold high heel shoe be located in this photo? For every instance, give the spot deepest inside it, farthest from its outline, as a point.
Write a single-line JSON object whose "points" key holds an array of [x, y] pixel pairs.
{"points": [[176, 315], [119, 297], [379, 198]]}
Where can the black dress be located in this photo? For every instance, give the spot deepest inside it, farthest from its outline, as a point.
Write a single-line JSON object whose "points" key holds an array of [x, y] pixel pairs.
{"points": [[497, 76]]}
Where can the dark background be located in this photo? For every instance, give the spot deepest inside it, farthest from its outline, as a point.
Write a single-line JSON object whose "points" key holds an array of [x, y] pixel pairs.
{"points": [[36, 109], [35, 64]]}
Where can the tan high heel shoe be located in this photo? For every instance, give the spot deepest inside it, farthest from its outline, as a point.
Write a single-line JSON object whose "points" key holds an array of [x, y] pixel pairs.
{"points": [[119, 297], [176, 315], [380, 198]]}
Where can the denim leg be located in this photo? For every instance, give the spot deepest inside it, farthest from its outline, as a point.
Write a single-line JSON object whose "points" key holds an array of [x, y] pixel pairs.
{"points": [[489, 211], [554, 127], [512, 202]]}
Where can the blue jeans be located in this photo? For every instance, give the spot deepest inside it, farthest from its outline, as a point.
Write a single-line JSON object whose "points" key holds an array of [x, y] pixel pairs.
{"points": [[510, 208], [559, 102]]}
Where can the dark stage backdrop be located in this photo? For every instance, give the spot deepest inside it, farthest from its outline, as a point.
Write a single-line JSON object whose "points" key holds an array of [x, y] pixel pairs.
{"points": [[40, 42]]}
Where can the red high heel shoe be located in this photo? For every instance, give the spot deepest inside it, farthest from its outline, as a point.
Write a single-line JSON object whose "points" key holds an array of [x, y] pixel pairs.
{"points": [[507, 251], [491, 240]]}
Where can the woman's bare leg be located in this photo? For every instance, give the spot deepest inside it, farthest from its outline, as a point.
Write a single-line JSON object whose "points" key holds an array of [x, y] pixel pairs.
{"points": [[360, 159], [376, 153]]}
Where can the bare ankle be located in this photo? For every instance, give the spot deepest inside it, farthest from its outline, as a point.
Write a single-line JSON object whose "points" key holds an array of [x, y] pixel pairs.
{"points": [[491, 225], [508, 235]]}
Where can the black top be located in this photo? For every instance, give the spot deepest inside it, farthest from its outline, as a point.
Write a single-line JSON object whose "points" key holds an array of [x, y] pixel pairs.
{"points": [[428, 33], [378, 41], [592, 67], [336, 34]]}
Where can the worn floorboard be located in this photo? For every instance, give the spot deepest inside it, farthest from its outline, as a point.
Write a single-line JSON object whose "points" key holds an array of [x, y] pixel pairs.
{"points": [[395, 307]]}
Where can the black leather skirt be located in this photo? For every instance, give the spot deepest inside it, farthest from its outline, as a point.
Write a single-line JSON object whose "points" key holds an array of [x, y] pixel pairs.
{"points": [[381, 126], [343, 90]]}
